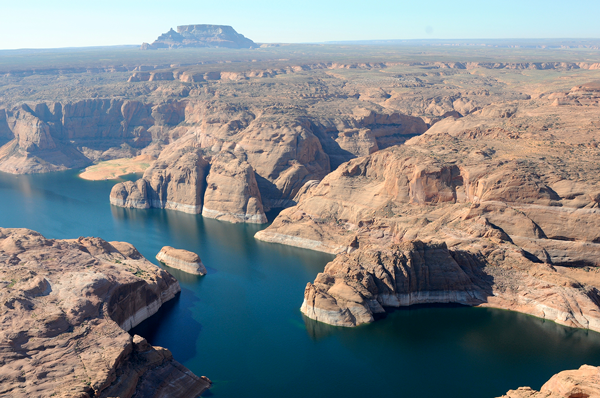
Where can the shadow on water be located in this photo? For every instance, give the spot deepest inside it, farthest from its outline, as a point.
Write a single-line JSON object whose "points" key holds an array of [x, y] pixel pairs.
{"points": [[185, 327]]}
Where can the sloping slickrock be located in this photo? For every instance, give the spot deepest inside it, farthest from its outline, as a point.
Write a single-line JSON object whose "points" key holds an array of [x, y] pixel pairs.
{"points": [[66, 306], [581, 383], [183, 260], [176, 180], [520, 222], [232, 192]]}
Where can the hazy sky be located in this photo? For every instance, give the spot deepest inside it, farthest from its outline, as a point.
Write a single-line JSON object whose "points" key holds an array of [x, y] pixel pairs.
{"points": [[68, 23]]}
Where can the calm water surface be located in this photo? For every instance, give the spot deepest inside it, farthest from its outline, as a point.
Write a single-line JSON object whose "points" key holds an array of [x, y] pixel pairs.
{"points": [[241, 326]]}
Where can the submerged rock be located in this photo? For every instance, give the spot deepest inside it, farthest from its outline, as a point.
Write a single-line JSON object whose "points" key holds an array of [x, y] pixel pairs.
{"points": [[180, 259]]}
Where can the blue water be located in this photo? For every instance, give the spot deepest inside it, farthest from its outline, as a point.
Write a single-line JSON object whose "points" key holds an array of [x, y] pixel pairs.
{"points": [[241, 326]]}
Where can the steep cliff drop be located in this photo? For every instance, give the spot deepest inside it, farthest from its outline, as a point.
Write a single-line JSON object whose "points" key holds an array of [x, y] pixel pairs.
{"points": [[176, 180], [232, 193], [67, 307], [64, 135]]}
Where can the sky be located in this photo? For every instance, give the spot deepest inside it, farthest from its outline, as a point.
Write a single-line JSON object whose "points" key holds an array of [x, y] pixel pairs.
{"points": [[68, 23]]}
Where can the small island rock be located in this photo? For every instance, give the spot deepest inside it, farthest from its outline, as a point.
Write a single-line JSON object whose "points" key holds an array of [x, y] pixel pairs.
{"points": [[183, 260]]}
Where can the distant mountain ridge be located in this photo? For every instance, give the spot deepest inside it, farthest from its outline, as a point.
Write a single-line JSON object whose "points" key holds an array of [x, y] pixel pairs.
{"points": [[200, 36], [590, 44]]}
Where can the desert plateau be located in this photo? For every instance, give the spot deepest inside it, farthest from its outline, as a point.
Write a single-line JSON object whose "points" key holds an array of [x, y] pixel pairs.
{"points": [[206, 214]]}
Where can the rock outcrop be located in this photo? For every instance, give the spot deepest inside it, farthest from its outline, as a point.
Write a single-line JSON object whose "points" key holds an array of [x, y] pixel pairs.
{"points": [[468, 213], [67, 305], [581, 383], [232, 193], [176, 181], [200, 36], [353, 288], [180, 259], [60, 136]]}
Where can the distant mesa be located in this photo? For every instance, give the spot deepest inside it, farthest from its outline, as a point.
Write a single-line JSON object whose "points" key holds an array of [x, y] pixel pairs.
{"points": [[201, 36]]}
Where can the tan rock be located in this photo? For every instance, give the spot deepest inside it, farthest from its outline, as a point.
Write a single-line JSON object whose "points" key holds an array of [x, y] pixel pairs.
{"points": [[513, 241], [355, 287], [180, 259], [67, 306], [176, 180], [583, 382], [232, 192]]}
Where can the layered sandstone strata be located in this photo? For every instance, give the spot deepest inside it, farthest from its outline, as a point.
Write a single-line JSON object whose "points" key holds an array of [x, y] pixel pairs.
{"points": [[57, 136], [259, 163], [479, 210], [183, 260], [581, 383], [67, 307]]}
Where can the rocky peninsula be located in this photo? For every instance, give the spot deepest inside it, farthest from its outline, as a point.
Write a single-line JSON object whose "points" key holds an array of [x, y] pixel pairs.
{"points": [[479, 210], [68, 305], [183, 260]]}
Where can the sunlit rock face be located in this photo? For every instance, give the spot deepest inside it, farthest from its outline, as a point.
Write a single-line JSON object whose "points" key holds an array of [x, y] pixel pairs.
{"points": [[68, 305]]}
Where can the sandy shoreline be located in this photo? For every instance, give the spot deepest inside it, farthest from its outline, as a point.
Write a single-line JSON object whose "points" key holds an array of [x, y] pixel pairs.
{"points": [[113, 169]]}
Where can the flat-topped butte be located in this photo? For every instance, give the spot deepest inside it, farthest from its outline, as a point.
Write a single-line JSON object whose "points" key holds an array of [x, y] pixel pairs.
{"points": [[201, 36]]}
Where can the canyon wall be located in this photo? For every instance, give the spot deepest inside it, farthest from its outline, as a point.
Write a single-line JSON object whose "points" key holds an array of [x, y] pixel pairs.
{"points": [[258, 161], [56, 136]]}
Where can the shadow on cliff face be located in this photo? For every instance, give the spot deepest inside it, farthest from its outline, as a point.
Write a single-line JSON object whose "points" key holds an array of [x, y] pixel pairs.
{"points": [[173, 312], [273, 213]]}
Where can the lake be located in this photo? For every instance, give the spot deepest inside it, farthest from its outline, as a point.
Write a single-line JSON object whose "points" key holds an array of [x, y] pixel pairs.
{"points": [[241, 326]]}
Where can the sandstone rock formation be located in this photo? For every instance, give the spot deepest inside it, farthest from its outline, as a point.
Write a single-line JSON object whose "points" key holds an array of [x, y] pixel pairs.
{"points": [[200, 36], [475, 211], [353, 288], [176, 180], [59, 136], [265, 158], [180, 259], [66, 307], [232, 193], [580, 383]]}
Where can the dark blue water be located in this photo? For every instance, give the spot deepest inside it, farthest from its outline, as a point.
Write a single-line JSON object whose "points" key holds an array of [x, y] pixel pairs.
{"points": [[241, 326]]}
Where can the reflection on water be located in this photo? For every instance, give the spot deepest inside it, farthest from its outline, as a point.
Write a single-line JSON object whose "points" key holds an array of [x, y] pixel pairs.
{"points": [[241, 326]]}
